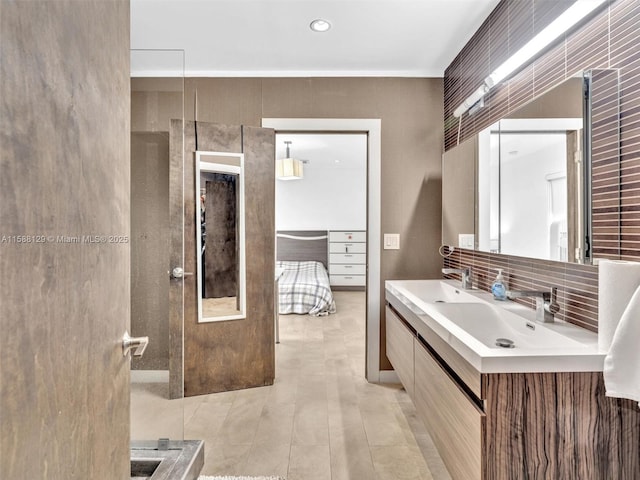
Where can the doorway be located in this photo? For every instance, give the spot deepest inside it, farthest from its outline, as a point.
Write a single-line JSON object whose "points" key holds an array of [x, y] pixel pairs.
{"points": [[372, 128]]}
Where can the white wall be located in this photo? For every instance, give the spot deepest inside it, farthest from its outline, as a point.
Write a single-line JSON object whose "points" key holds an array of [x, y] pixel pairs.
{"points": [[525, 210], [333, 193]]}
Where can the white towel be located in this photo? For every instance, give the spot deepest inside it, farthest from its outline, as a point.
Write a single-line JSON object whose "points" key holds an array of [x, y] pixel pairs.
{"points": [[622, 363], [617, 280]]}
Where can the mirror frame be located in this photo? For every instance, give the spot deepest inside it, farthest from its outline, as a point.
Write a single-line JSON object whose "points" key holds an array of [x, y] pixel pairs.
{"points": [[585, 236], [201, 165]]}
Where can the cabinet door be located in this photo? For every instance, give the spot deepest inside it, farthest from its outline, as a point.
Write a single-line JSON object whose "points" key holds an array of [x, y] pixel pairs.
{"points": [[453, 420], [400, 349]]}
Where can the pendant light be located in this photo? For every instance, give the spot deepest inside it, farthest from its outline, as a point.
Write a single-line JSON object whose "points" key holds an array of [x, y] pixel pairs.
{"points": [[289, 168]]}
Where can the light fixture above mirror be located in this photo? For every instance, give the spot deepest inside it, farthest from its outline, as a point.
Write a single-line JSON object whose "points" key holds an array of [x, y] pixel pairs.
{"points": [[567, 20], [289, 168]]}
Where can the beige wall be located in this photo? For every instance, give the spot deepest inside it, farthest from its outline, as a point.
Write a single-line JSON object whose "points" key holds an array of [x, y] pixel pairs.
{"points": [[412, 142], [64, 158], [150, 247]]}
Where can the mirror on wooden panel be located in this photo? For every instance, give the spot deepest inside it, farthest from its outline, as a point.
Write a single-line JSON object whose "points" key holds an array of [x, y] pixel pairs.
{"points": [[522, 186], [220, 241]]}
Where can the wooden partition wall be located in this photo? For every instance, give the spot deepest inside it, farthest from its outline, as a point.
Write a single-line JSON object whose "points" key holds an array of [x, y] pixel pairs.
{"points": [[234, 354]]}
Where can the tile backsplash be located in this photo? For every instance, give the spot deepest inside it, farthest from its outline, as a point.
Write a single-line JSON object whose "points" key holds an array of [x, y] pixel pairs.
{"points": [[577, 284], [607, 40]]}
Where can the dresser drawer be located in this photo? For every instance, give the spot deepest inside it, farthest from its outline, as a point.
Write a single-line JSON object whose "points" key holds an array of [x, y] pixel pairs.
{"points": [[349, 258], [348, 236], [348, 280], [337, 269], [345, 247]]}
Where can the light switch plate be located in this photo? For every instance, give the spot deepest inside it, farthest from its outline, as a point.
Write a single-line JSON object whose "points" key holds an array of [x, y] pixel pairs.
{"points": [[466, 240], [392, 241]]}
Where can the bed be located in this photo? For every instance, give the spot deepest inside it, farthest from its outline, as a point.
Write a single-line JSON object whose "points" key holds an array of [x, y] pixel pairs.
{"points": [[303, 283]]}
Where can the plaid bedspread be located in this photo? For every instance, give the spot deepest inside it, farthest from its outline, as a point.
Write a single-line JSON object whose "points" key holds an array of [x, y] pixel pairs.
{"points": [[304, 288]]}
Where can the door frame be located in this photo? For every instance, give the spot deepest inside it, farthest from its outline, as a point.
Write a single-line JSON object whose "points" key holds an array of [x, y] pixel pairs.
{"points": [[373, 128]]}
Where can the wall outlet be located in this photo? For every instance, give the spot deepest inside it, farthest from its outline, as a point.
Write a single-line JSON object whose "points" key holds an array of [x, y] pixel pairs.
{"points": [[392, 241]]}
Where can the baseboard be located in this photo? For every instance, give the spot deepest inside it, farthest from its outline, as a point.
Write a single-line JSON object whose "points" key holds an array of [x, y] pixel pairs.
{"points": [[389, 376], [149, 376]]}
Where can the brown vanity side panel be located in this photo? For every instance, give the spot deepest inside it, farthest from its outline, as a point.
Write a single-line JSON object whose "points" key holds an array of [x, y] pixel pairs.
{"points": [[559, 426], [400, 349]]}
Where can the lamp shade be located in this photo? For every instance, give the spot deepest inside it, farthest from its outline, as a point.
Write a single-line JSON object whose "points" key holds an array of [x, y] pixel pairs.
{"points": [[289, 169]]}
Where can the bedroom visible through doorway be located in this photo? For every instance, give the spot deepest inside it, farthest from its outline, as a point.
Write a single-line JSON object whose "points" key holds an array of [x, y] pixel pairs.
{"points": [[321, 216]]}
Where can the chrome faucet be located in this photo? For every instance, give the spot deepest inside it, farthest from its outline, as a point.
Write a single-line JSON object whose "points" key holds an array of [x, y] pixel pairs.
{"points": [[465, 274], [546, 302]]}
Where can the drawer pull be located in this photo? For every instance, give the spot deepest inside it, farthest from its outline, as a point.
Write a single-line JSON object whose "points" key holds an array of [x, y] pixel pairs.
{"points": [[348, 266]]}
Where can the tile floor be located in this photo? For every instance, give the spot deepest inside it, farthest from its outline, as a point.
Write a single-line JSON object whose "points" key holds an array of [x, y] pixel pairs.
{"points": [[320, 420]]}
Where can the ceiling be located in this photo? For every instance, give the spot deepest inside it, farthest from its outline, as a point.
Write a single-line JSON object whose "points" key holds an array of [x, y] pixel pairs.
{"points": [[266, 38]]}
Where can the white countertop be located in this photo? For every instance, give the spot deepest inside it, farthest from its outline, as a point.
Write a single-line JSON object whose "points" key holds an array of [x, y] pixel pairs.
{"points": [[539, 347]]}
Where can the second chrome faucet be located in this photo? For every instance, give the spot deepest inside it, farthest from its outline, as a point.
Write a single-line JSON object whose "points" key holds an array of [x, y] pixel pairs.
{"points": [[546, 302]]}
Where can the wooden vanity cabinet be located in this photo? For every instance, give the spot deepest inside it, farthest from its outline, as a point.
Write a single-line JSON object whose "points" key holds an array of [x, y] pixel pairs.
{"points": [[452, 417], [505, 426]]}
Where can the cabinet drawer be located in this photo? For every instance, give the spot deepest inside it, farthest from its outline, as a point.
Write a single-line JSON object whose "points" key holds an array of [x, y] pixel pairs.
{"points": [[400, 349], [467, 373], [453, 420], [338, 269], [346, 280], [346, 247], [348, 258], [348, 236]]}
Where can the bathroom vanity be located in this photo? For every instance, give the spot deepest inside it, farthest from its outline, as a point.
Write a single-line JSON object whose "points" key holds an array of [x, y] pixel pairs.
{"points": [[537, 410]]}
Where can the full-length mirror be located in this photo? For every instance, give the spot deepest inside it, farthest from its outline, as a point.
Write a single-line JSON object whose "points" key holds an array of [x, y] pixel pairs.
{"points": [[530, 176], [220, 242]]}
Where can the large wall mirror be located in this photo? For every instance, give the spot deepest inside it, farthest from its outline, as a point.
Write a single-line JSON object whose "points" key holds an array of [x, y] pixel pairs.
{"points": [[220, 239], [522, 186]]}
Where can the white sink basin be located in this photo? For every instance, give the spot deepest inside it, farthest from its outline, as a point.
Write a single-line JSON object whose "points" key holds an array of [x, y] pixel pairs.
{"points": [[471, 321], [488, 323], [435, 291]]}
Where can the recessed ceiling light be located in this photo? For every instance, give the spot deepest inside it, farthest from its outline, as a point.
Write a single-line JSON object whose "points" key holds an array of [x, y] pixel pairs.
{"points": [[320, 25]]}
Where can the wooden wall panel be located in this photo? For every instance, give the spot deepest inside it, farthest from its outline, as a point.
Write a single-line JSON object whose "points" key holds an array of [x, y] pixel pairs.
{"points": [[65, 301]]}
